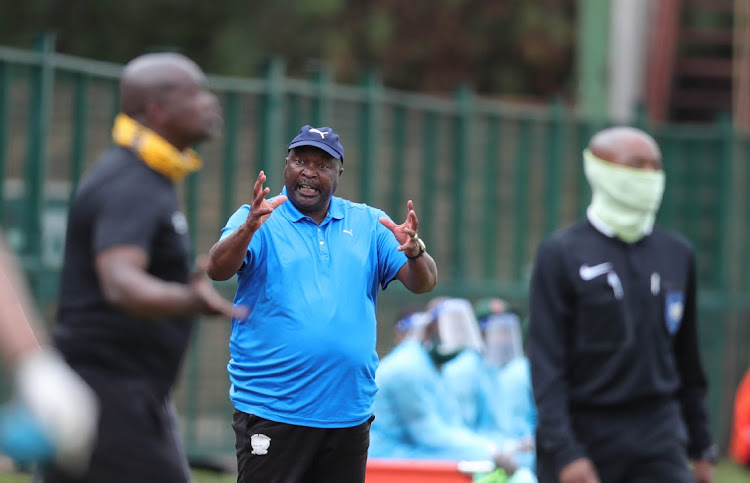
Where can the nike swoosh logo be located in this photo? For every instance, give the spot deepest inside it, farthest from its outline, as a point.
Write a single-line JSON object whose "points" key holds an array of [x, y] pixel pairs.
{"points": [[590, 273]]}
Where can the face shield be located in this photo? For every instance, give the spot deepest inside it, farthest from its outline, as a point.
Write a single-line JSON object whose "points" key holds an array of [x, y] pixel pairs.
{"points": [[457, 328], [502, 337], [412, 326]]}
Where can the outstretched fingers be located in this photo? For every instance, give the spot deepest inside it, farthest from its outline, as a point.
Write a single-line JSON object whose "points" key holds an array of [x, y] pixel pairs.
{"points": [[258, 201], [411, 217], [259, 192], [258, 187], [403, 234], [388, 223]]}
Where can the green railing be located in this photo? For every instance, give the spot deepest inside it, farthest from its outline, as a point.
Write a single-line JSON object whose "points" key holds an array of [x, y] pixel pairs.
{"points": [[489, 181]]}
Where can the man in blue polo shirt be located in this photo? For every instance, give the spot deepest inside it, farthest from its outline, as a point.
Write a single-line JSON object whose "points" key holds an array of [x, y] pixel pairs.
{"points": [[303, 363]]}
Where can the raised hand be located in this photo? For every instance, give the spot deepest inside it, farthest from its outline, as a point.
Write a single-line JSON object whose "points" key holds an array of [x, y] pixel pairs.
{"points": [[261, 208], [406, 233]]}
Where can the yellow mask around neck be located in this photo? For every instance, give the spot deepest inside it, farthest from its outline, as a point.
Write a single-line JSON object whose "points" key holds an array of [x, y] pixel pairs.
{"points": [[154, 150], [625, 199]]}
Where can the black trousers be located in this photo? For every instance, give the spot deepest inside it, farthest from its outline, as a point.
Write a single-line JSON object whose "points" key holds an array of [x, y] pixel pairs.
{"points": [[269, 452], [638, 444], [137, 440]]}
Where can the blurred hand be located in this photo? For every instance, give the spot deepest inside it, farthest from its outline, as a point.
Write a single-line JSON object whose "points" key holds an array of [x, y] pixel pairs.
{"points": [[63, 406], [703, 471], [208, 301], [506, 462], [524, 444], [579, 471]]}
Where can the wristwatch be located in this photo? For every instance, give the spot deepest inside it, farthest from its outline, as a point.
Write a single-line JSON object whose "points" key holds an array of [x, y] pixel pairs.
{"points": [[422, 248]]}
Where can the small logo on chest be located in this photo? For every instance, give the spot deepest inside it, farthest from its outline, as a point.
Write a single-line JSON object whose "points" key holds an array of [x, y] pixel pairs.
{"points": [[179, 223], [655, 284], [674, 308], [589, 273], [348, 231]]}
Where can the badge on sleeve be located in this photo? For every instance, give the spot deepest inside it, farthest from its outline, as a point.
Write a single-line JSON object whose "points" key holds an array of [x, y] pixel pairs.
{"points": [[674, 307]]}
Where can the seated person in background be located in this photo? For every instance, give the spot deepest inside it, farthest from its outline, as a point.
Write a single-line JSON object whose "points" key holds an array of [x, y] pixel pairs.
{"points": [[407, 324], [465, 375], [739, 446], [508, 370], [415, 415]]}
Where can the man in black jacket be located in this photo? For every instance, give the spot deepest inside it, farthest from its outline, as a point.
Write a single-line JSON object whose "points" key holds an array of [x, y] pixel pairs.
{"points": [[614, 356]]}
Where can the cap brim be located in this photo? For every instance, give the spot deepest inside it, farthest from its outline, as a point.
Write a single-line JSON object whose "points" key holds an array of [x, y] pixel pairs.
{"points": [[320, 145]]}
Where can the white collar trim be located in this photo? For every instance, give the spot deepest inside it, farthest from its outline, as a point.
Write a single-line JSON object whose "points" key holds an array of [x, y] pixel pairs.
{"points": [[599, 224]]}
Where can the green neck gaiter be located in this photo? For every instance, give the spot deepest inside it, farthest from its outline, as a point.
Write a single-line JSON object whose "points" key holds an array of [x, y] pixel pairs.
{"points": [[624, 199], [439, 357]]}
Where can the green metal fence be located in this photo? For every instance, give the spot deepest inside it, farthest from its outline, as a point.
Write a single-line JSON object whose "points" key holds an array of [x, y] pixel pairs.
{"points": [[489, 181]]}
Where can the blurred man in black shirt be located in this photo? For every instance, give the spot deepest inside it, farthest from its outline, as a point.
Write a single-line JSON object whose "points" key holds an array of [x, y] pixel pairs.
{"points": [[127, 295], [614, 356]]}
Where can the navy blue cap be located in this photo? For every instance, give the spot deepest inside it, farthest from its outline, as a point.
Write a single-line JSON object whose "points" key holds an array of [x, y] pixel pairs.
{"points": [[320, 137]]}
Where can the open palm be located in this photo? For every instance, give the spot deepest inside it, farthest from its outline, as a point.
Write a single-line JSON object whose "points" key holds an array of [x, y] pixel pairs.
{"points": [[405, 232], [261, 208]]}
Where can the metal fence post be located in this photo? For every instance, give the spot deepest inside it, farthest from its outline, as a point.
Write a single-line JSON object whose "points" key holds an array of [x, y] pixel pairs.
{"points": [[271, 124], [553, 173], [294, 117], [192, 381], [6, 79], [593, 42], [321, 105], [521, 198], [641, 118], [229, 155], [79, 127], [461, 150], [115, 86], [41, 92], [369, 136], [192, 369], [398, 175], [586, 129], [429, 166], [493, 138], [192, 197], [726, 201]]}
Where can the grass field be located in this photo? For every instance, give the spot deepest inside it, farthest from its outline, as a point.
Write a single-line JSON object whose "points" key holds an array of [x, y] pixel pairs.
{"points": [[726, 472], [198, 477]]}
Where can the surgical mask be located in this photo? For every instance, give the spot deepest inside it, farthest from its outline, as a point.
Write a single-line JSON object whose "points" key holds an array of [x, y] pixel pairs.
{"points": [[624, 199]]}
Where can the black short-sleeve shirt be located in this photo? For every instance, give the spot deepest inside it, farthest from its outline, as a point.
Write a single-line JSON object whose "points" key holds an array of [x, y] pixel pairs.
{"points": [[122, 202]]}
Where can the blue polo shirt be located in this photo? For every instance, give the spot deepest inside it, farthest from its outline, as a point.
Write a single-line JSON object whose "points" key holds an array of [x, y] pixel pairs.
{"points": [[306, 354]]}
